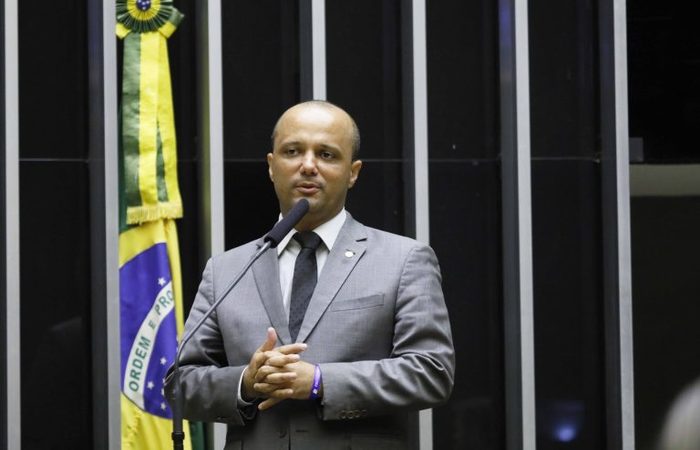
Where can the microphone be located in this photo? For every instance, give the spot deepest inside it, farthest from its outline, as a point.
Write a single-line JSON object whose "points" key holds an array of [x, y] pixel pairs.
{"points": [[284, 226], [271, 239]]}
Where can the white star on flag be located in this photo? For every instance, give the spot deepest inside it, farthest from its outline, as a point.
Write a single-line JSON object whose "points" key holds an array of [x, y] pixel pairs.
{"points": [[161, 281], [150, 385], [162, 406], [163, 361]]}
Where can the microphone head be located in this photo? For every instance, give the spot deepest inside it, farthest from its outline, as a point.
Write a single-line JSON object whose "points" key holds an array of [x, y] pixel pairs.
{"points": [[284, 226]]}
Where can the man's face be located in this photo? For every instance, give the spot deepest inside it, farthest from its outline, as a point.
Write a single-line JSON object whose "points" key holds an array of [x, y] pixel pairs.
{"points": [[312, 159]]}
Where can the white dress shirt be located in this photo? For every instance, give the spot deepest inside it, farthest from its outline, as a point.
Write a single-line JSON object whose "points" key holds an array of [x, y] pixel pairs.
{"points": [[289, 248]]}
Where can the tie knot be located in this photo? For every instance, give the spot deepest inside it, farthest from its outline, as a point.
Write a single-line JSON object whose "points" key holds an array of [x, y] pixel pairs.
{"points": [[308, 239]]}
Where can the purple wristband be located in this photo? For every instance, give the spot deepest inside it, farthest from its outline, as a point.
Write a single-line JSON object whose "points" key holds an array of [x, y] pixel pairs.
{"points": [[316, 387]]}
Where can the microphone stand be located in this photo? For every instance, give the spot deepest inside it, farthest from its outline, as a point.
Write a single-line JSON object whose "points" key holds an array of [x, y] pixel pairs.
{"points": [[178, 435]]}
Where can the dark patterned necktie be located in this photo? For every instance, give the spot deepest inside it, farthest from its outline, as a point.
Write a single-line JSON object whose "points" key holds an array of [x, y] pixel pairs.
{"points": [[304, 281]]}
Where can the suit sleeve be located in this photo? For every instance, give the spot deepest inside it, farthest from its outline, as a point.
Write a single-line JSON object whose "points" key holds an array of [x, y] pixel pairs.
{"points": [[209, 386], [419, 373]]}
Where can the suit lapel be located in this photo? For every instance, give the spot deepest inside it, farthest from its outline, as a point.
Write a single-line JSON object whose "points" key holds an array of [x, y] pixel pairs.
{"points": [[346, 252], [266, 273]]}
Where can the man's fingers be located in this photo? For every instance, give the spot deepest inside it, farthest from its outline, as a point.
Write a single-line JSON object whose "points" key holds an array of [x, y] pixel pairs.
{"points": [[270, 340], [273, 390], [291, 348], [280, 378], [278, 375], [268, 403], [258, 358], [278, 360], [265, 388]]}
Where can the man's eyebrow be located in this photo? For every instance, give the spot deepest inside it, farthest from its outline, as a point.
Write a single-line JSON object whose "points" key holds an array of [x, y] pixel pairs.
{"points": [[329, 147], [322, 145], [289, 143]]}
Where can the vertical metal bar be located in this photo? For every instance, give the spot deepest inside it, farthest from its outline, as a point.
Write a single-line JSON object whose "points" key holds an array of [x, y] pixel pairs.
{"points": [[12, 325], [3, 262], [318, 39], [624, 244], [415, 136], [420, 123], [111, 241], [312, 49], [616, 225], [210, 126], [104, 231], [306, 63], [517, 226], [420, 165], [408, 117]]}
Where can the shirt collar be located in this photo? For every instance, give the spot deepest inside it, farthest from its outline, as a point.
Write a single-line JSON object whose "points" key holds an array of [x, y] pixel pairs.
{"points": [[328, 232]]}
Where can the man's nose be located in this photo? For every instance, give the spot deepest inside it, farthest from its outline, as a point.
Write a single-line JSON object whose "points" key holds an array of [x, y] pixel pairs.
{"points": [[308, 163]]}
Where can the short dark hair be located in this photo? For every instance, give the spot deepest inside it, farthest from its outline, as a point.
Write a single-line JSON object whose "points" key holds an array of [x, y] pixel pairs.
{"points": [[326, 104]]}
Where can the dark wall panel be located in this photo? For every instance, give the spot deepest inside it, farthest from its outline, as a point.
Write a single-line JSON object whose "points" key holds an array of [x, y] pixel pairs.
{"points": [[567, 278], [465, 214], [665, 284], [563, 78], [465, 231], [55, 266], [260, 53], [251, 205], [189, 232], [567, 225], [462, 39], [663, 49], [53, 80], [376, 199], [363, 55], [55, 314], [183, 75]]}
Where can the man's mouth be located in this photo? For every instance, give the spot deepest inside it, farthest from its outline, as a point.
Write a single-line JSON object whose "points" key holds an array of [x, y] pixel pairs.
{"points": [[308, 188]]}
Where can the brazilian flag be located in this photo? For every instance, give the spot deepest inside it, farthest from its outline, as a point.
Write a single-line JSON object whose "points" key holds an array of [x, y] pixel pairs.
{"points": [[151, 315]]}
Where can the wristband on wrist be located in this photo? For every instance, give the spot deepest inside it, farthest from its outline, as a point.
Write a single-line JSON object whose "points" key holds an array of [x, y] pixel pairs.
{"points": [[316, 386]]}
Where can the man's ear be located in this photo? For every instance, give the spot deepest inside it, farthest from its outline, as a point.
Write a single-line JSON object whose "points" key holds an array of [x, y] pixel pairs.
{"points": [[269, 166], [354, 172]]}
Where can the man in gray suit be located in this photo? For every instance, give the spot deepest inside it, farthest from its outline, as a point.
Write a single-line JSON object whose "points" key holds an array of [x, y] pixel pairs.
{"points": [[336, 339]]}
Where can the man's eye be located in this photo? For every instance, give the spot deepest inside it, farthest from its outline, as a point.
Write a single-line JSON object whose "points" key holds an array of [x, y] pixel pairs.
{"points": [[327, 155], [291, 151]]}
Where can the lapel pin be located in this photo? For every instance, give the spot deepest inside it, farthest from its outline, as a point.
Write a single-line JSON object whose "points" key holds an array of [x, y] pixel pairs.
{"points": [[349, 253]]}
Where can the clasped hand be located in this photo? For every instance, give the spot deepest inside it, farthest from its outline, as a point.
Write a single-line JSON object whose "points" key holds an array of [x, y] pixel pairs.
{"points": [[277, 373]]}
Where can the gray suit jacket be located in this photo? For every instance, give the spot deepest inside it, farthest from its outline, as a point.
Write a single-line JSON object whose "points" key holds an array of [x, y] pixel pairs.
{"points": [[376, 324]]}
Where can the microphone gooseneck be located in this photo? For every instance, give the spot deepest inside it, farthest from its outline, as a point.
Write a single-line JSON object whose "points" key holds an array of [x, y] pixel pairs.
{"points": [[272, 239]]}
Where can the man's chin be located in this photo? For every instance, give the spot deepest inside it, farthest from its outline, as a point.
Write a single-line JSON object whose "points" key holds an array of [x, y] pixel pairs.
{"points": [[313, 202]]}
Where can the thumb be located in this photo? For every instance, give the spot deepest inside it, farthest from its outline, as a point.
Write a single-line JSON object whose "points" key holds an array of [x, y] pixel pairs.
{"points": [[270, 340]]}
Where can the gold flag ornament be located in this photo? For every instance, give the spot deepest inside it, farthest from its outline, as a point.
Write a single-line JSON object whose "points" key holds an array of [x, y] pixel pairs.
{"points": [[149, 170]]}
